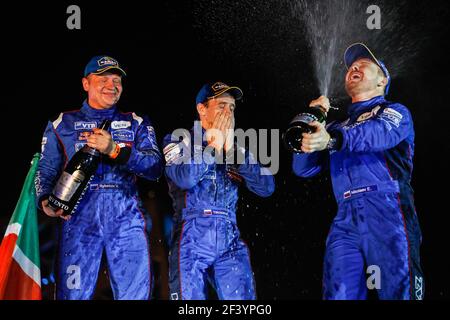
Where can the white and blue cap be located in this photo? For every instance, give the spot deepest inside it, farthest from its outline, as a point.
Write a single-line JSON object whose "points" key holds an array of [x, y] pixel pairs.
{"points": [[360, 50], [100, 64]]}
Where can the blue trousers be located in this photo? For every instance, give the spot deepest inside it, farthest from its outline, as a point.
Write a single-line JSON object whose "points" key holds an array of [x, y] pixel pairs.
{"points": [[374, 233], [110, 222], [210, 249]]}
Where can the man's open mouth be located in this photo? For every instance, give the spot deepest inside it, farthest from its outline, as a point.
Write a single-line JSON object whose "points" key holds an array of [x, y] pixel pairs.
{"points": [[355, 76]]}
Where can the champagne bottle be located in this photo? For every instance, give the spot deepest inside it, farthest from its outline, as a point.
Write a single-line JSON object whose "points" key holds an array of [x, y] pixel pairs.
{"points": [[74, 180], [292, 137]]}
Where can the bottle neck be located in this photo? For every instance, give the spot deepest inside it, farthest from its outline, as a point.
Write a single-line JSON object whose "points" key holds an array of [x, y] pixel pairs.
{"points": [[319, 111], [322, 109], [91, 151]]}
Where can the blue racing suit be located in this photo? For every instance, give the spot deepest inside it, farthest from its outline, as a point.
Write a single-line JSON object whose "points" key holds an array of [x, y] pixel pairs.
{"points": [[376, 227], [206, 244], [109, 216]]}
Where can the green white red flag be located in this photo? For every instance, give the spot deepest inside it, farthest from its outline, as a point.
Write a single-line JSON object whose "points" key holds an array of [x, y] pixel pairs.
{"points": [[20, 272]]}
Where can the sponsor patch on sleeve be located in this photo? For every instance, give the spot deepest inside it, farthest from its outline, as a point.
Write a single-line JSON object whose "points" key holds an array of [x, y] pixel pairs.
{"points": [[43, 143], [392, 116], [152, 136], [151, 133], [172, 152], [368, 115]]}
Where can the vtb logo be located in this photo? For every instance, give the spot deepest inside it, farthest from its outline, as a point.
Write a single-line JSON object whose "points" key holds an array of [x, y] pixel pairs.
{"points": [[80, 125]]}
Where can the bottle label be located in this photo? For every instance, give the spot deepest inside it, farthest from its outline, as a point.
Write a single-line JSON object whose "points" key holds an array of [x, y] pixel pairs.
{"points": [[68, 184], [56, 204], [307, 118]]}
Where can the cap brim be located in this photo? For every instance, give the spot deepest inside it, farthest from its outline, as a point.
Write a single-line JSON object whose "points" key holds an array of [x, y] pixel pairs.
{"points": [[234, 91], [109, 68]]}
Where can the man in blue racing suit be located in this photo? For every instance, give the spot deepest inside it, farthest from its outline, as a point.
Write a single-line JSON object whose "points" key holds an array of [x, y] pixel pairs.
{"points": [[109, 216], [370, 155], [206, 245]]}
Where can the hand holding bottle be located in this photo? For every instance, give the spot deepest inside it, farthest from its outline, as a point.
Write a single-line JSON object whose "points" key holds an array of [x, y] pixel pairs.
{"points": [[316, 141], [73, 181], [323, 102], [102, 141], [306, 124], [53, 213]]}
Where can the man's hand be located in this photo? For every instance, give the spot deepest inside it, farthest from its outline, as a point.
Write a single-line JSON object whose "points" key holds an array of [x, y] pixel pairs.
{"points": [[229, 140], [316, 141], [217, 133], [323, 101], [52, 213], [102, 141]]}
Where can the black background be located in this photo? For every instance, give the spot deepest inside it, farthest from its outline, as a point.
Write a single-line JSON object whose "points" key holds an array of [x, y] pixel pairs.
{"points": [[168, 55]]}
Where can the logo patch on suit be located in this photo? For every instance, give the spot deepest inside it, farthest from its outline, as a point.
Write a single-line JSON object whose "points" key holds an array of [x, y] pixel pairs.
{"points": [[83, 135], [354, 192], [123, 135], [115, 125], [172, 152], [43, 143], [152, 136], [392, 116], [368, 115], [80, 125]]}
